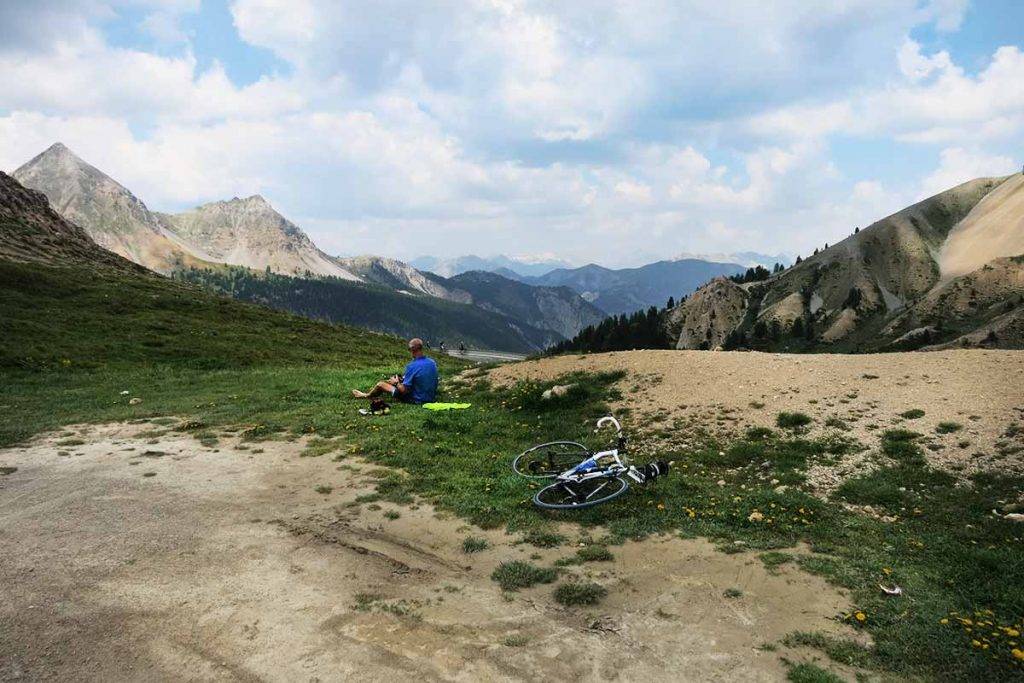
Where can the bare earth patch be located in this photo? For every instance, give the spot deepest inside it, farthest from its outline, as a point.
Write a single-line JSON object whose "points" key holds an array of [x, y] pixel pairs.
{"points": [[676, 396], [229, 564]]}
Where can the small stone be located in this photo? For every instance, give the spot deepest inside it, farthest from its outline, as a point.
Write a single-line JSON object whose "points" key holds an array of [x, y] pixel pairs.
{"points": [[135, 401], [557, 391], [721, 482], [1015, 517], [755, 516]]}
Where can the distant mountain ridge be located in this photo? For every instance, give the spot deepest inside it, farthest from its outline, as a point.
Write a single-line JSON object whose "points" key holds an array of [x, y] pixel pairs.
{"points": [[250, 233], [558, 309], [501, 264], [630, 289], [748, 259]]}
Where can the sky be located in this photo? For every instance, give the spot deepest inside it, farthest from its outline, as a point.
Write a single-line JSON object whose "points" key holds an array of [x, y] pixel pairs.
{"points": [[610, 132]]}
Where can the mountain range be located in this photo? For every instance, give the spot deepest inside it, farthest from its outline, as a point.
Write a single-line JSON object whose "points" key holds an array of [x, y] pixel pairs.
{"points": [[250, 233], [630, 289], [520, 266], [947, 271]]}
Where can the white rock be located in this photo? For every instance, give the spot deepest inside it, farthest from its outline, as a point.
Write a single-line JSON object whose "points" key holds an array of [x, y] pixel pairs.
{"points": [[556, 391]]}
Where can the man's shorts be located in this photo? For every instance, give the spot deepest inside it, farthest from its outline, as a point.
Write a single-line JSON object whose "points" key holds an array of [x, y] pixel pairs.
{"points": [[399, 396]]}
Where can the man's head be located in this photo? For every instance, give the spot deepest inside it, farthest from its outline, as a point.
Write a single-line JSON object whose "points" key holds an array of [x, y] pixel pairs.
{"points": [[416, 347]]}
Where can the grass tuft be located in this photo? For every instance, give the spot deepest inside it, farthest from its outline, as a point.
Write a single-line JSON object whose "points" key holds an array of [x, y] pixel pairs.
{"points": [[805, 672], [512, 576], [580, 593], [474, 544], [793, 421]]}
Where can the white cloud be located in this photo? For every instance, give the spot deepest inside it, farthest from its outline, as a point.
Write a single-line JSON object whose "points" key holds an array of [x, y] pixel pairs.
{"points": [[958, 165], [583, 129]]}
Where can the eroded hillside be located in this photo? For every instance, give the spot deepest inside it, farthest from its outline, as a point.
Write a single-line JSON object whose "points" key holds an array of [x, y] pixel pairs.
{"points": [[941, 270]]}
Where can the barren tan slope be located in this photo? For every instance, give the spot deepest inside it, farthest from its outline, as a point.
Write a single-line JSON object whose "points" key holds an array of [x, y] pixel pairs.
{"points": [[249, 232], [994, 228], [729, 391]]}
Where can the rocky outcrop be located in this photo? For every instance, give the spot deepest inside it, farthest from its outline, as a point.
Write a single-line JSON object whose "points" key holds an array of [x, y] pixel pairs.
{"points": [[709, 315]]}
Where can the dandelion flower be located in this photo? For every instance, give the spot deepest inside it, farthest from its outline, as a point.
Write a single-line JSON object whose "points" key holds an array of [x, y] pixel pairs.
{"points": [[861, 617]]}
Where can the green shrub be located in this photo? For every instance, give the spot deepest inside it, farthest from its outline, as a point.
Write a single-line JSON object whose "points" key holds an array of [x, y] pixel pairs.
{"points": [[543, 539], [793, 420], [472, 544], [912, 414], [948, 427], [512, 576], [580, 593]]}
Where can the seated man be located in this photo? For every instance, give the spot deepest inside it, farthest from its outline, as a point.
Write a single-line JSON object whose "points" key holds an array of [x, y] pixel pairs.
{"points": [[418, 384]]}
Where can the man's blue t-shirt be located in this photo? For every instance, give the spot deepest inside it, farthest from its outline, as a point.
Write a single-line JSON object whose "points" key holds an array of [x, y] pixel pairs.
{"points": [[420, 379]]}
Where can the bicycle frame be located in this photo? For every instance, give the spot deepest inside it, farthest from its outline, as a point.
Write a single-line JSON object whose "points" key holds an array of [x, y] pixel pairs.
{"points": [[593, 468]]}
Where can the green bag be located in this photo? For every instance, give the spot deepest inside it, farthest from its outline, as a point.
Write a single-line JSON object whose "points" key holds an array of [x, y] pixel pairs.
{"points": [[446, 406]]}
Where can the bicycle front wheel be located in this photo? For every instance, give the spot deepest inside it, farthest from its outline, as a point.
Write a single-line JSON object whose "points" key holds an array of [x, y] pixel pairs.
{"points": [[569, 495], [548, 460]]}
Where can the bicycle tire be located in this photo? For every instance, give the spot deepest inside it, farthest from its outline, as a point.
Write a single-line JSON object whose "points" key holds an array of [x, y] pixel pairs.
{"points": [[548, 497], [559, 456]]}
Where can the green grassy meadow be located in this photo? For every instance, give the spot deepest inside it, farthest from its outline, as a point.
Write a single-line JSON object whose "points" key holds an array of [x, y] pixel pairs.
{"points": [[73, 344]]}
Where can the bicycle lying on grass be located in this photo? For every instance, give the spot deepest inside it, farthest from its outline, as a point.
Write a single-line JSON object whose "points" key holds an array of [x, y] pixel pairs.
{"points": [[582, 477]]}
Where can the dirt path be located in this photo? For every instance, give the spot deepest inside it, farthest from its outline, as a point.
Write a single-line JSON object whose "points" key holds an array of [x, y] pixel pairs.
{"points": [[134, 555]]}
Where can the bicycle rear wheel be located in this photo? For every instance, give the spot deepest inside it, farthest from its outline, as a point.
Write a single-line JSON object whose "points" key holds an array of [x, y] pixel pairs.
{"points": [[569, 495], [548, 460]]}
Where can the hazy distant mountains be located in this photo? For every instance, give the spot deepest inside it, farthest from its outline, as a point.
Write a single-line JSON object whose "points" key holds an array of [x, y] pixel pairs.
{"points": [[629, 289], [503, 265], [747, 259]]}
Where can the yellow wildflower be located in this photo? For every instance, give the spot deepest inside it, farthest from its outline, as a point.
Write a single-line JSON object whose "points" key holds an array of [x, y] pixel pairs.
{"points": [[860, 616]]}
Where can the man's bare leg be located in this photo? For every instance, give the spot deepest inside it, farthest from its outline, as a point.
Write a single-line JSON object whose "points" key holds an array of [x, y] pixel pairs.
{"points": [[381, 388]]}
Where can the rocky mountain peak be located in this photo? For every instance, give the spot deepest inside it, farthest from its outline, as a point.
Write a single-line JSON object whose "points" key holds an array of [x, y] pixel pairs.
{"points": [[32, 231]]}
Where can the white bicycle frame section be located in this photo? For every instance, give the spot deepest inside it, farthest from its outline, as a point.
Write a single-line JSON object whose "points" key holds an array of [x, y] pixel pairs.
{"points": [[594, 468]]}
